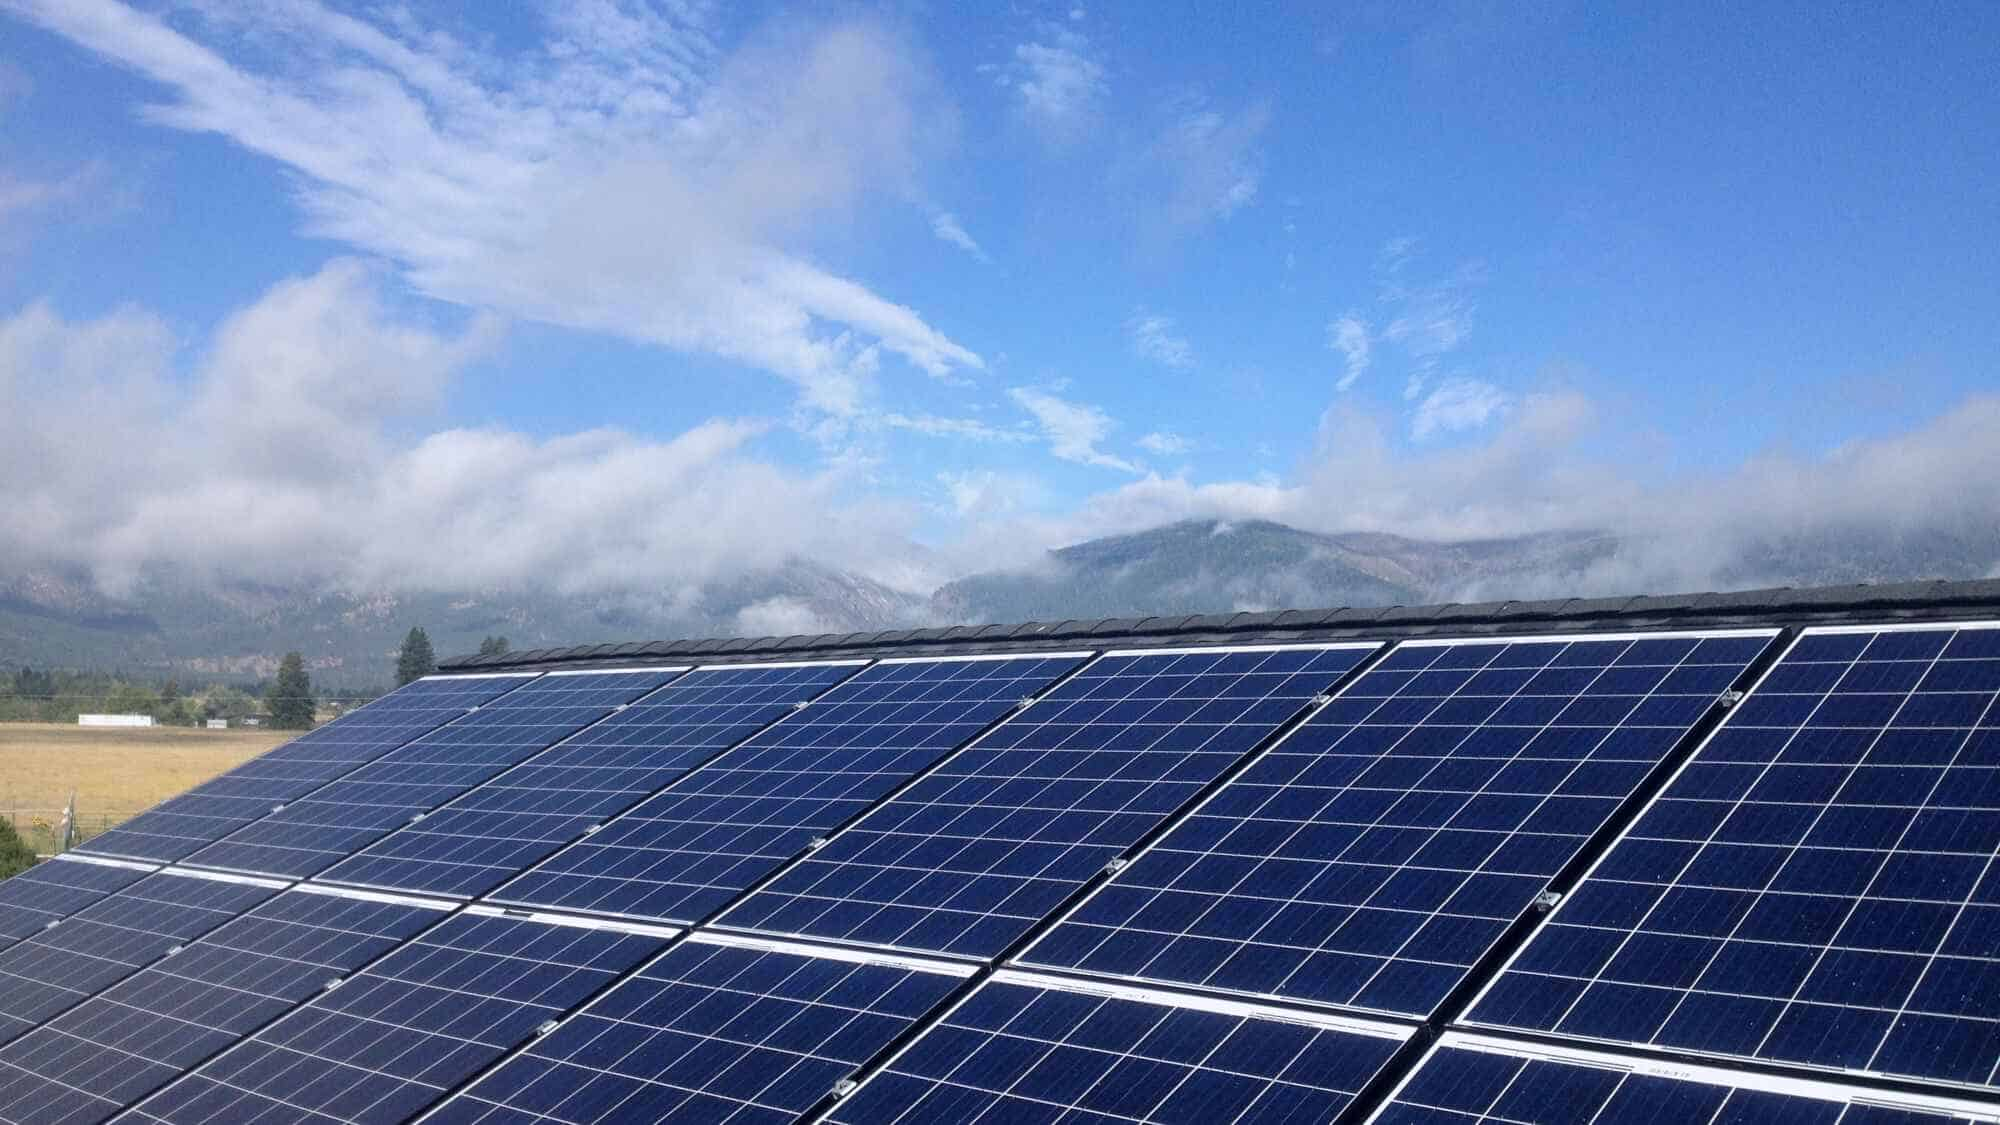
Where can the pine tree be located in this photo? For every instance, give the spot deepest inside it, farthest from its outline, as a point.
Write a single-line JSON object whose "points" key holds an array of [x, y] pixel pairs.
{"points": [[415, 660], [494, 646], [290, 697]]}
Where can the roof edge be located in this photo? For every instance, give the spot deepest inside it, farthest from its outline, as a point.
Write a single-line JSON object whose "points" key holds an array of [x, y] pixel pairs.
{"points": [[1933, 599]]}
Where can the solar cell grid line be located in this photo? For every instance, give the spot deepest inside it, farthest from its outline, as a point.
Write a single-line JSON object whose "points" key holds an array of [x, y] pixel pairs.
{"points": [[979, 850], [90, 1062], [1372, 857], [1815, 886], [45, 975], [394, 1037], [691, 848], [1467, 1079], [1025, 1047], [182, 825], [489, 834], [719, 1029], [310, 833], [49, 892]]}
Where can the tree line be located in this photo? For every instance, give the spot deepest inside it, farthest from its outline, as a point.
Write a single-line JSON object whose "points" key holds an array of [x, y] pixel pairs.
{"points": [[286, 701]]}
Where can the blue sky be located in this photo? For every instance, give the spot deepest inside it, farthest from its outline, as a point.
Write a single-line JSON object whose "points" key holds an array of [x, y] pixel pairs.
{"points": [[981, 279]]}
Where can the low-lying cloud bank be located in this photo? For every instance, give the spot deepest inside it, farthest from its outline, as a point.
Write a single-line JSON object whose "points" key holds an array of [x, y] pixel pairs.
{"points": [[1927, 500], [286, 456], [293, 448]]}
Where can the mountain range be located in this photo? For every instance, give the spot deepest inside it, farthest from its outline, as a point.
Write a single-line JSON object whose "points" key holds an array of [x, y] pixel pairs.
{"points": [[202, 630]]}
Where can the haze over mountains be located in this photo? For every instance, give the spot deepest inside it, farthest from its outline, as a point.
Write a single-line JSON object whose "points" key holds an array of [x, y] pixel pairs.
{"points": [[198, 629]]}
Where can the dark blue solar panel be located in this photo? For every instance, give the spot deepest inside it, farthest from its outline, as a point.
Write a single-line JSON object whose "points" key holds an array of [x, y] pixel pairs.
{"points": [[336, 820], [690, 849], [712, 1033], [57, 889], [1377, 853], [110, 1050], [995, 839], [43, 975], [393, 1038], [215, 808], [1464, 1082], [1034, 1051], [1816, 886], [493, 832]]}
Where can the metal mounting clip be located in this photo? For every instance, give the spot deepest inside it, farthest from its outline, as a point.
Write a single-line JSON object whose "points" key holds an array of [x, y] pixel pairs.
{"points": [[845, 1087], [1546, 901], [1730, 698]]}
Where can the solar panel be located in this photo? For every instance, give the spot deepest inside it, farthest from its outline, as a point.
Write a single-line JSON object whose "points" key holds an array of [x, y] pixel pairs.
{"points": [[718, 1030], [305, 835], [1816, 885], [1373, 856], [414, 1025], [142, 1032], [493, 832], [106, 942], [1474, 1080], [1028, 1048], [715, 832], [215, 808], [996, 838], [50, 891]]}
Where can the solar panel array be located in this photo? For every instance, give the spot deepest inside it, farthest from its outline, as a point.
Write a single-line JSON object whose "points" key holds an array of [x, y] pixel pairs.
{"points": [[330, 823], [699, 843], [212, 810], [1472, 1080], [985, 846], [497, 830], [1529, 879], [1816, 886]]}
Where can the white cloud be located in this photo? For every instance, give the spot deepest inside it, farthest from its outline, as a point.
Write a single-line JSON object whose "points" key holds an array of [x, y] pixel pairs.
{"points": [[1202, 165], [1458, 403], [295, 450], [968, 429], [946, 226], [1153, 337], [1165, 443], [984, 494], [1058, 83], [1348, 335], [626, 177], [1072, 429]]}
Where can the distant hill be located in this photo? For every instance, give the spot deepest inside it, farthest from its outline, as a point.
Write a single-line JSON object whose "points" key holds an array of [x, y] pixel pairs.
{"points": [[1206, 566], [238, 631], [199, 630]]}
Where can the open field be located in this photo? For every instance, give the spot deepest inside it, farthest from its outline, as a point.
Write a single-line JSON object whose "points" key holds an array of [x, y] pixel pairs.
{"points": [[114, 773]]}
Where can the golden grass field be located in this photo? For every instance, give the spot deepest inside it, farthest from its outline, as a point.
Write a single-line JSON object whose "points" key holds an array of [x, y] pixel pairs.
{"points": [[114, 773]]}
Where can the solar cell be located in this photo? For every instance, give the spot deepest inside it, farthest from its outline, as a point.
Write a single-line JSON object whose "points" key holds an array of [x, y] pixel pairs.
{"points": [[91, 1061], [1473, 1080], [718, 830], [1027, 1049], [493, 832], [718, 1030], [42, 975], [1373, 856], [46, 892], [1817, 884], [180, 826], [328, 824], [412, 1026], [996, 838]]}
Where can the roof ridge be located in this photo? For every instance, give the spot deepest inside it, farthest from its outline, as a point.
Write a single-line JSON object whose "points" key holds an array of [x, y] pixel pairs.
{"points": [[1928, 598]]}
